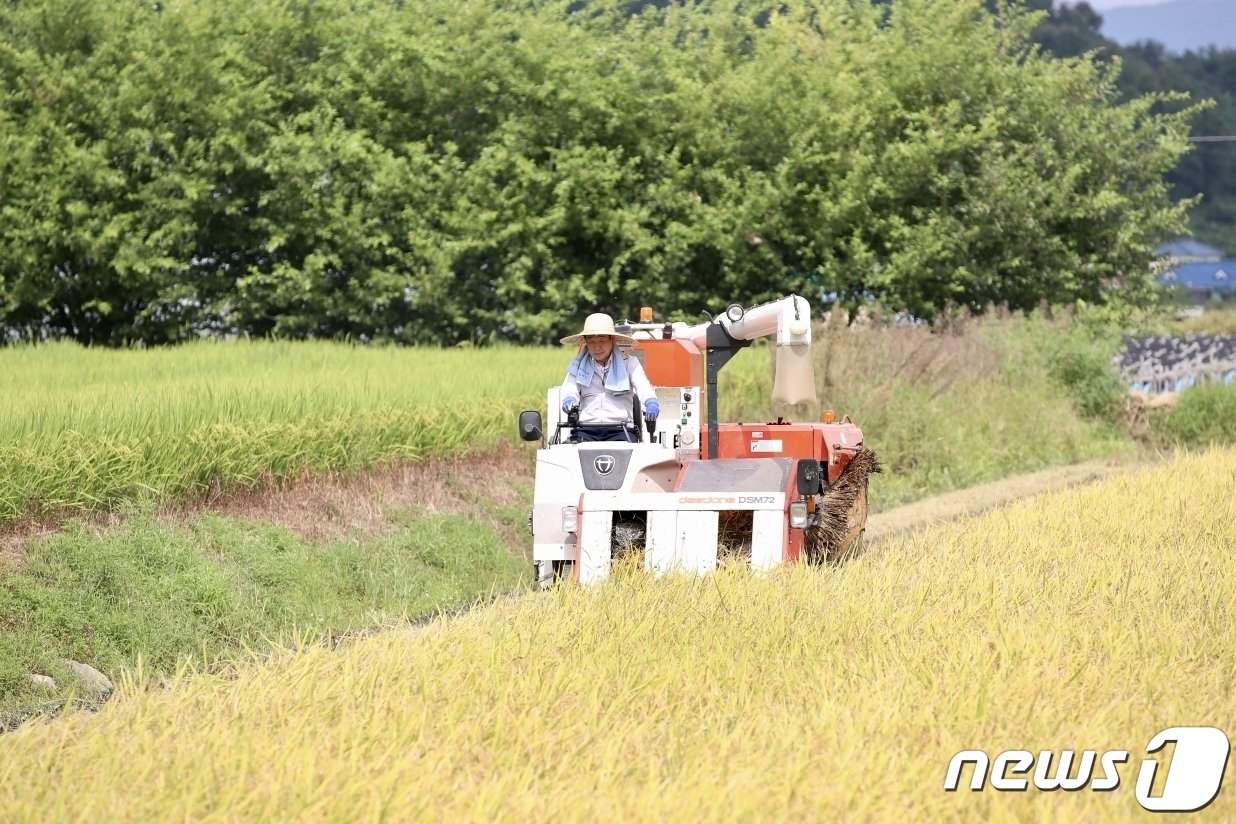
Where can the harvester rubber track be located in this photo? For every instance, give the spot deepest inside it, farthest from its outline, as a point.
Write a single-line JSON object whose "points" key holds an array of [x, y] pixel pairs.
{"points": [[842, 511]]}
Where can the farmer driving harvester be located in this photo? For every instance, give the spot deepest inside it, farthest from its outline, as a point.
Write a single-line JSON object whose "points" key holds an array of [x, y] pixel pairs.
{"points": [[599, 384], [689, 492]]}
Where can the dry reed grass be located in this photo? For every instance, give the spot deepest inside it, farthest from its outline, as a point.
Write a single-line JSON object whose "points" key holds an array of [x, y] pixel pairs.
{"points": [[1087, 619], [1214, 321], [870, 358], [883, 356]]}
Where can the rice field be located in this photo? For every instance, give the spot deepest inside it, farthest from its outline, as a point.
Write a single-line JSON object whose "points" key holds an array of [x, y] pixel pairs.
{"points": [[84, 430], [1087, 619], [90, 430]]}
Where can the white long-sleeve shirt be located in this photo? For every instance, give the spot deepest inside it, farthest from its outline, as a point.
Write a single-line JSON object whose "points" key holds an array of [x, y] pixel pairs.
{"points": [[600, 406]]}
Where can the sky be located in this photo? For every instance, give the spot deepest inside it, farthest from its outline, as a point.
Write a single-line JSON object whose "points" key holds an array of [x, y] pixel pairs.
{"points": [[1104, 5]]}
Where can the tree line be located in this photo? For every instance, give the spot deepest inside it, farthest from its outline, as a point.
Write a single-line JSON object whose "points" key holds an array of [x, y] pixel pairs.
{"points": [[1206, 174], [438, 172]]}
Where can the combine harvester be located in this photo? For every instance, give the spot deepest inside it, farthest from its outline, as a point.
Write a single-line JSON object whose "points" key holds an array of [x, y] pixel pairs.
{"points": [[693, 492]]}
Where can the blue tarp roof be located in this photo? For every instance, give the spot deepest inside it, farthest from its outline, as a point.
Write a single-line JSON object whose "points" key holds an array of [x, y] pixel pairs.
{"points": [[1218, 275], [1187, 247]]}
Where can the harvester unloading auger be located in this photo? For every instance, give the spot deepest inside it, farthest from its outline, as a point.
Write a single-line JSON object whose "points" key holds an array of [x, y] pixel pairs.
{"points": [[693, 492]]}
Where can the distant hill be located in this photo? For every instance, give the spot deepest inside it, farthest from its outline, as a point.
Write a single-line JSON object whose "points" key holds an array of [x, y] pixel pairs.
{"points": [[1180, 25]]}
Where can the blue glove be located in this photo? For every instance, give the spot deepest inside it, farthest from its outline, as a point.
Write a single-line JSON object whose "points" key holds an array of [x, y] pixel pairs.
{"points": [[651, 409], [569, 403]]}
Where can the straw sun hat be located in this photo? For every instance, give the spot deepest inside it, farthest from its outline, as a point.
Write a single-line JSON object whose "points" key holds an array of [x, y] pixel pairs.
{"points": [[599, 324]]}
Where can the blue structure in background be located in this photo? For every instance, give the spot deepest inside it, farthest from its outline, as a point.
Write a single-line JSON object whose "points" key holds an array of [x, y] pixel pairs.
{"points": [[1187, 250], [1203, 280]]}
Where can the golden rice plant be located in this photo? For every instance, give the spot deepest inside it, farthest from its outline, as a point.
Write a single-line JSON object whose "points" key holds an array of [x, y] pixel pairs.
{"points": [[1088, 619], [86, 429]]}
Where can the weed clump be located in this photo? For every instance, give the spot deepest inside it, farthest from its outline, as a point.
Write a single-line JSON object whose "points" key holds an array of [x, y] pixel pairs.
{"points": [[1082, 364], [1203, 415]]}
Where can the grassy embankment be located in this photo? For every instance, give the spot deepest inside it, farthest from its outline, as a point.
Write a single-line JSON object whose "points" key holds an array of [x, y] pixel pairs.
{"points": [[85, 431], [1089, 619]]}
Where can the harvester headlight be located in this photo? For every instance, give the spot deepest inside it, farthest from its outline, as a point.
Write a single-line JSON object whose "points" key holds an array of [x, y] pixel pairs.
{"points": [[735, 312], [570, 519], [798, 514], [687, 438]]}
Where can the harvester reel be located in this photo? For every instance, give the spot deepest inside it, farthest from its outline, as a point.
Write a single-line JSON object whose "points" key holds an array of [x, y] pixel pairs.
{"points": [[842, 511], [627, 537]]}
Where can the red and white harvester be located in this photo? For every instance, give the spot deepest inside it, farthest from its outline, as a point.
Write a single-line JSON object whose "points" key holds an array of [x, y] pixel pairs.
{"points": [[693, 492]]}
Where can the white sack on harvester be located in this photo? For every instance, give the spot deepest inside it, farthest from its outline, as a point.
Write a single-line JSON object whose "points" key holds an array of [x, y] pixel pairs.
{"points": [[794, 375]]}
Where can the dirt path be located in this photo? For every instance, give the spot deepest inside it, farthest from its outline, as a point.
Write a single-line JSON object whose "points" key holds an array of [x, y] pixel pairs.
{"points": [[976, 499]]}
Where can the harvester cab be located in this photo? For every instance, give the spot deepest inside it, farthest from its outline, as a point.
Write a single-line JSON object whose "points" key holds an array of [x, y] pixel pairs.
{"points": [[693, 493]]}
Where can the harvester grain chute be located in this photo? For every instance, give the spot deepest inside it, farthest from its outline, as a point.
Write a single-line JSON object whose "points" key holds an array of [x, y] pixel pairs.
{"points": [[693, 492]]}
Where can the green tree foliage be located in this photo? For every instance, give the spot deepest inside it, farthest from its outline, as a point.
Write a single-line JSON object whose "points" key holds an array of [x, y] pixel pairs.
{"points": [[1209, 170], [444, 171], [1207, 174]]}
